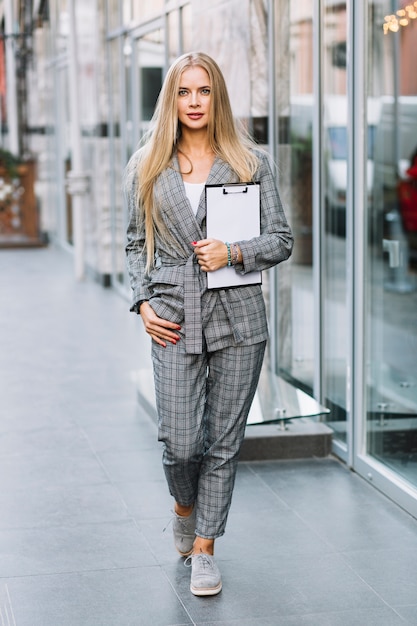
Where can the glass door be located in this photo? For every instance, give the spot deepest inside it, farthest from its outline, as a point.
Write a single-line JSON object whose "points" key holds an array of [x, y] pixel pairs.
{"points": [[389, 446], [288, 380]]}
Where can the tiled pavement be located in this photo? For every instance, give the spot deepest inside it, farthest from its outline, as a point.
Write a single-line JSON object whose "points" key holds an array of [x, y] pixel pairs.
{"points": [[83, 502]]}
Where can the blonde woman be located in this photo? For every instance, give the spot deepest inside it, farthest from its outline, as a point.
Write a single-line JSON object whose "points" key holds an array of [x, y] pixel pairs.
{"points": [[207, 345]]}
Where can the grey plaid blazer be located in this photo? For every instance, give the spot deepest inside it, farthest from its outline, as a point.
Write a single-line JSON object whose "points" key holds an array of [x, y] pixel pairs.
{"points": [[176, 288]]}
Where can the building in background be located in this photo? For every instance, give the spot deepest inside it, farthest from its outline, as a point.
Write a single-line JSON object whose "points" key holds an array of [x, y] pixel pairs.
{"points": [[329, 88]]}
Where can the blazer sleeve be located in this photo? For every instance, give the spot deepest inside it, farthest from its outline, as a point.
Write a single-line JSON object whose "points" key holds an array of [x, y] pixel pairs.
{"points": [[135, 246], [275, 241]]}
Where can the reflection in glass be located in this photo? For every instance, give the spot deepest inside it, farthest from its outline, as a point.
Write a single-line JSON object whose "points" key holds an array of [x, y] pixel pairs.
{"points": [[297, 364], [173, 36], [186, 29], [114, 14], [392, 242], [335, 164], [117, 161], [141, 11], [150, 60]]}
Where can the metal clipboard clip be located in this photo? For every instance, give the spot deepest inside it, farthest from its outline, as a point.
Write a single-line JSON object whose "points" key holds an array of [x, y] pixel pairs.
{"points": [[232, 188]]}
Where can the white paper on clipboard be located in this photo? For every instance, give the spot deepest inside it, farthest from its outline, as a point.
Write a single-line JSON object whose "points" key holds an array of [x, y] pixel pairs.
{"points": [[233, 214]]}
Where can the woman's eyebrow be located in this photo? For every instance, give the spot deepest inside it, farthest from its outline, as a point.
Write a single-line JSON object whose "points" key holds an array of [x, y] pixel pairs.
{"points": [[200, 87]]}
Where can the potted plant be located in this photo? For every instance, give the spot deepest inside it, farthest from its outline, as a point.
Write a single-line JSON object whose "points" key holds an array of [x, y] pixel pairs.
{"points": [[9, 163], [19, 218]]}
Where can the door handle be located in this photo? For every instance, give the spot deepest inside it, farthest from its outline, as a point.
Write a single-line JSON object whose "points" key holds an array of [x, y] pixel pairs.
{"points": [[392, 246]]}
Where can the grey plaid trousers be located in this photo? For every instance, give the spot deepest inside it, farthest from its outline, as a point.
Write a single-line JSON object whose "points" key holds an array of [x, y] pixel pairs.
{"points": [[203, 401]]}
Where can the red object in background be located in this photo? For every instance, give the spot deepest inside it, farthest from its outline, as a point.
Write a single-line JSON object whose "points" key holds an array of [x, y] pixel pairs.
{"points": [[407, 193]]}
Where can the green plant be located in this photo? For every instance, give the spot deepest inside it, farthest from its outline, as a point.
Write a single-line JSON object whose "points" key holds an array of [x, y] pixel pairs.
{"points": [[10, 162]]}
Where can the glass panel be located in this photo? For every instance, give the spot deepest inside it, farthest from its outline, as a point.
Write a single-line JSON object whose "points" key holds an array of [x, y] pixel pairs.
{"points": [[114, 15], [391, 351], [150, 61], [127, 11], [118, 160], [335, 161], [134, 94], [300, 190], [173, 36], [186, 28], [293, 314], [142, 11]]}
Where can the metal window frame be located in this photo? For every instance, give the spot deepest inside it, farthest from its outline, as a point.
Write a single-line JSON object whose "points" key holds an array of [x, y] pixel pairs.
{"points": [[356, 224], [318, 201]]}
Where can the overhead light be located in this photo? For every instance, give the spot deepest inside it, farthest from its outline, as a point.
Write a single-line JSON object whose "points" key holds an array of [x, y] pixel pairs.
{"points": [[401, 18]]}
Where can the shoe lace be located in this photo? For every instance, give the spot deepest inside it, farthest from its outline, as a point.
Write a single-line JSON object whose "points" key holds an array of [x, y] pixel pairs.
{"points": [[182, 521], [205, 560]]}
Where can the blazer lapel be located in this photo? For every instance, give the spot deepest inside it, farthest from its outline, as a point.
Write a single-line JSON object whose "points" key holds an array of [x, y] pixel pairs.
{"points": [[220, 173], [172, 197], [176, 207]]}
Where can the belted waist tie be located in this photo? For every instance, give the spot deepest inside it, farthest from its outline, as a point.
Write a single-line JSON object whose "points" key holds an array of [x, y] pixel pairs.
{"points": [[192, 308], [188, 275], [192, 305]]}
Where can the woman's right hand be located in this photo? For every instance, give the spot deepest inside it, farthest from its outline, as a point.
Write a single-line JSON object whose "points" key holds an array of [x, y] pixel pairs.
{"points": [[159, 329]]}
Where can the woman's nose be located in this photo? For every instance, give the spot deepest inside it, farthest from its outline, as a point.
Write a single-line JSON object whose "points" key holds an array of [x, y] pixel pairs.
{"points": [[194, 99]]}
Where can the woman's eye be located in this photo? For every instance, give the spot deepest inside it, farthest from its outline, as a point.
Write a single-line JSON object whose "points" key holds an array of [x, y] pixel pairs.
{"points": [[182, 92], [205, 91]]}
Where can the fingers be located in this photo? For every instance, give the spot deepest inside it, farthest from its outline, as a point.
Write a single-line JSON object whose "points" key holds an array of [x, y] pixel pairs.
{"points": [[160, 330], [211, 254]]}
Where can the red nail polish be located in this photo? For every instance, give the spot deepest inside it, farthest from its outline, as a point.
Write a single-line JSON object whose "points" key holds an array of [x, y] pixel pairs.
{"points": [[193, 243]]}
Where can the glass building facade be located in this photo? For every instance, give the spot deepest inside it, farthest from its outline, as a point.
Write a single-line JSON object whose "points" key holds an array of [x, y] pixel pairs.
{"points": [[329, 88]]}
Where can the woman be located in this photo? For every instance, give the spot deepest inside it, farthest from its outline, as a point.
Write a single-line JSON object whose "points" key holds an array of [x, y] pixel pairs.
{"points": [[207, 345]]}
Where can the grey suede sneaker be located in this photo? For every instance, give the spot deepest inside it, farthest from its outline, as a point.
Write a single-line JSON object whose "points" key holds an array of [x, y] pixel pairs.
{"points": [[205, 575], [184, 533]]}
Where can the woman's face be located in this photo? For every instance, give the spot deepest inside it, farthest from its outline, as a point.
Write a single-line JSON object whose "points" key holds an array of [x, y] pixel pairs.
{"points": [[194, 98]]}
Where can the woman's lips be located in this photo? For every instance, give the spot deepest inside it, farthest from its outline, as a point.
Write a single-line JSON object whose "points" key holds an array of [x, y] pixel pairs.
{"points": [[194, 116]]}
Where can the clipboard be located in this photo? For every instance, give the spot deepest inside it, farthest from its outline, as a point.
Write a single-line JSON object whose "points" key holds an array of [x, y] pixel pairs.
{"points": [[233, 213]]}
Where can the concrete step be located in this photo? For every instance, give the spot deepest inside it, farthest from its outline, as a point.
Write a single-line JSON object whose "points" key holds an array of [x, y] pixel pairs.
{"points": [[302, 438]]}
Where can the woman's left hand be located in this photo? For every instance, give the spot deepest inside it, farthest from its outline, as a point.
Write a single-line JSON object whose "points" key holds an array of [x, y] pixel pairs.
{"points": [[211, 254]]}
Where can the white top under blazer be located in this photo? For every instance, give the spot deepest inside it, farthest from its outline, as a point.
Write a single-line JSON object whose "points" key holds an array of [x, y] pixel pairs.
{"points": [[193, 192]]}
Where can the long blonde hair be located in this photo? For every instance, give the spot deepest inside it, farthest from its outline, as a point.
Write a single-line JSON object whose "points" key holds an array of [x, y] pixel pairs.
{"points": [[227, 141]]}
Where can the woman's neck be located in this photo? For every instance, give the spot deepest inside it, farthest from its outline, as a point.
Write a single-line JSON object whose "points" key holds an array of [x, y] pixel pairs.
{"points": [[195, 145], [195, 160]]}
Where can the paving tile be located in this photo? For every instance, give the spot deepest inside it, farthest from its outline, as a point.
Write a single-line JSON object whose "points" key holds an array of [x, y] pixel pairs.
{"points": [[48, 469], [252, 492], [96, 411], [147, 499], [32, 441], [60, 505], [30, 552], [126, 597], [336, 504], [19, 418], [135, 434], [371, 617], [133, 465], [158, 533], [281, 586], [392, 573], [270, 531], [409, 613]]}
